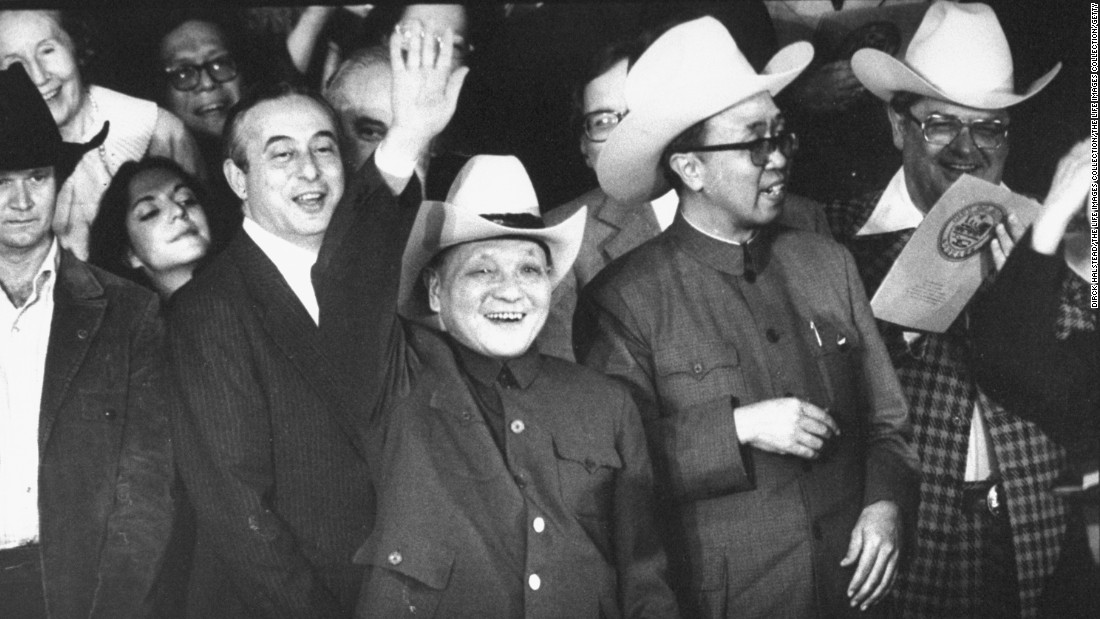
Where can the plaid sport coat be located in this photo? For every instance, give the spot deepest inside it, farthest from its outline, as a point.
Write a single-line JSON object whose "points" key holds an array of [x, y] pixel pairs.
{"points": [[941, 576]]}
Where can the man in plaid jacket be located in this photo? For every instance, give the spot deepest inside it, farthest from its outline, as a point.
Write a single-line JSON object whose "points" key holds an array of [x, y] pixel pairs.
{"points": [[989, 531]]}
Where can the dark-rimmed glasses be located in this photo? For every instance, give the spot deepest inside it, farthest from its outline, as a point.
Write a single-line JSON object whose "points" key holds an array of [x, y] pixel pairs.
{"points": [[598, 124], [187, 76], [941, 130], [760, 149]]}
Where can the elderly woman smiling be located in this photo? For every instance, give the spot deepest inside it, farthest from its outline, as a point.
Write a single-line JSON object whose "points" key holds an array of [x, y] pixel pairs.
{"points": [[151, 225], [42, 42]]}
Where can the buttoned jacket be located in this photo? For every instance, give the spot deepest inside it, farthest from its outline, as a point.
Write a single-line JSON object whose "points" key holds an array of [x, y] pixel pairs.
{"points": [[272, 456], [105, 459], [558, 524], [696, 328], [612, 229], [936, 375]]}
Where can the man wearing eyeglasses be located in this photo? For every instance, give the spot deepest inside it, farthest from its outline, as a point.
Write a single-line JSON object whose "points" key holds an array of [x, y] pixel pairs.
{"points": [[614, 227], [988, 530], [778, 432]]}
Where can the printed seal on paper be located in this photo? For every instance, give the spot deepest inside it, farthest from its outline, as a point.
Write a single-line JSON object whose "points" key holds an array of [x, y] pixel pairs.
{"points": [[968, 230]]}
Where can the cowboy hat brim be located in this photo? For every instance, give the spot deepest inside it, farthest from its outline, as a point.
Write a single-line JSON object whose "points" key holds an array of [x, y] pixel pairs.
{"points": [[884, 76], [629, 166], [440, 225]]}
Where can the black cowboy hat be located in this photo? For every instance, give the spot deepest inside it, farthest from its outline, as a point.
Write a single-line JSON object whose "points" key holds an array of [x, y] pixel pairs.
{"points": [[28, 135]]}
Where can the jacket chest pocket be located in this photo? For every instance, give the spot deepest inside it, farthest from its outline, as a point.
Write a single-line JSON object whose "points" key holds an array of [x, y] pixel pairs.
{"points": [[460, 445], [587, 474], [839, 354], [689, 375]]}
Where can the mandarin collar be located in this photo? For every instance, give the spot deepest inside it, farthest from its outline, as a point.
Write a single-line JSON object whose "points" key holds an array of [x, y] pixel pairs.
{"points": [[721, 255], [485, 369]]}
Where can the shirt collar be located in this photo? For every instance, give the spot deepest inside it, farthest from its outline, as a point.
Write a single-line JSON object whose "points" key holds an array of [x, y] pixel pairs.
{"points": [[44, 278], [894, 211], [485, 369], [719, 254], [286, 255]]}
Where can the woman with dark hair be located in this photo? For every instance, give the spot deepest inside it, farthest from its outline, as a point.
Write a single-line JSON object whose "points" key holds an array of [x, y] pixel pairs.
{"points": [[151, 226]]}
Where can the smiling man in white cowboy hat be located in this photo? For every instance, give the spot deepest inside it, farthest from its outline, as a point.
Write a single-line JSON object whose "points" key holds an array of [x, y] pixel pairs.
{"points": [[510, 483], [988, 530], [778, 431], [85, 459]]}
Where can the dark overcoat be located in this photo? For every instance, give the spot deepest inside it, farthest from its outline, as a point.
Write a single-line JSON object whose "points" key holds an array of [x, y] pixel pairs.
{"points": [[105, 461]]}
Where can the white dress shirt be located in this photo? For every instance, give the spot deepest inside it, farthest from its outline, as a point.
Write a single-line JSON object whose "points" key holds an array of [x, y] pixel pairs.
{"points": [[24, 339], [664, 208], [294, 264]]}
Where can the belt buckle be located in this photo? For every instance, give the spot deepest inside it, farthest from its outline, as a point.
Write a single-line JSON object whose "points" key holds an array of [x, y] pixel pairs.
{"points": [[994, 500]]}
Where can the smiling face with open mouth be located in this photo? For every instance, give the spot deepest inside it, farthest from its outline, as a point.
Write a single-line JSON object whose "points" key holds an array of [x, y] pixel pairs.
{"points": [[492, 296], [36, 39], [931, 169], [293, 177], [205, 107]]}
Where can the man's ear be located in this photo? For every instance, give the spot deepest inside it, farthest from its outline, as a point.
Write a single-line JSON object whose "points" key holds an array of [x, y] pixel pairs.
{"points": [[236, 177], [897, 126], [431, 282], [689, 168]]}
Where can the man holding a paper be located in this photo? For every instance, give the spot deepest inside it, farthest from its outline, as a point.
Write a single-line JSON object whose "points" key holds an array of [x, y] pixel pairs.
{"points": [[988, 530]]}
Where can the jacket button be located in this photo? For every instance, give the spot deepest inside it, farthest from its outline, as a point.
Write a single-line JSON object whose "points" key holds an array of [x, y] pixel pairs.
{"points": [[958, 420], [82, 334], [110, 413], [395, 558], [534, 582], [521, 483], [697, 368], [518, 427], [466, 416], [539, 525], [772, 335]]}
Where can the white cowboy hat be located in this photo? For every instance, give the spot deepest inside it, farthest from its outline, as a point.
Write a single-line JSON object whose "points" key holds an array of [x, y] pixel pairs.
{"points": [[491, 197], [958, 54], [689, 74]]}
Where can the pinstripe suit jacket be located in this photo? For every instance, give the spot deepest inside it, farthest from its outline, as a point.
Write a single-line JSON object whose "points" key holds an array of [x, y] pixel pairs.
{"points": [[271, 455], [940, 579], [752, 533]]}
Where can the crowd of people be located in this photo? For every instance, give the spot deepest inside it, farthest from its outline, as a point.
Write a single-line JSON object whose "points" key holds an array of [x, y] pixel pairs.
{"points": [[306, 314]]}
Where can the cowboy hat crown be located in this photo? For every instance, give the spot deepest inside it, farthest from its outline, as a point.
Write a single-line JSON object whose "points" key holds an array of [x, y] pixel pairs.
{"points": [[492, 197], [690, 73], [29, 137], [958, 54]]}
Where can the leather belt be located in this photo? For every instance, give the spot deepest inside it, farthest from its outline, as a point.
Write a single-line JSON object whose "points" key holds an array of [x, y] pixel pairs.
{"points": [[984, 496]]}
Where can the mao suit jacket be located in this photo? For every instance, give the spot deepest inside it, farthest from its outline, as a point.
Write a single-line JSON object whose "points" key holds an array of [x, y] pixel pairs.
{"points": [[612, 229], [105, 460], [696, 328], [271, 455]]}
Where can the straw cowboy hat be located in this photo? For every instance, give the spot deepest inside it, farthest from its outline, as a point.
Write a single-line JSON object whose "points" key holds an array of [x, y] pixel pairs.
{"points": [[491, 197], [958, 54], [690, 73], [28, 134]]}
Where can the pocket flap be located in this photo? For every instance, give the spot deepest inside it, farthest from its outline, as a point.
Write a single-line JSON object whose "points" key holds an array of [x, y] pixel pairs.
{"points": [[590, 457], [697, 360], [412, 556], [831, 339]]}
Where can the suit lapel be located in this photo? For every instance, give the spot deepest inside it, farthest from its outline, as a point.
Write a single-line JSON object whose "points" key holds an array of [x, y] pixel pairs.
{"points": [[633, 225], [292, 329], [79, 306]]}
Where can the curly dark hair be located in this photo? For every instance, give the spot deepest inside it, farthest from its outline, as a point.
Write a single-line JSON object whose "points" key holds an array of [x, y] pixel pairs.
{"points": [[109, 240]]}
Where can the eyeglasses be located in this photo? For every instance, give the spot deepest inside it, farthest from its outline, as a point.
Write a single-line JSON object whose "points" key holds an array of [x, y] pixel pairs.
{"points": [[760, 149], [942, 130], [598, 125], [187, 76]]}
